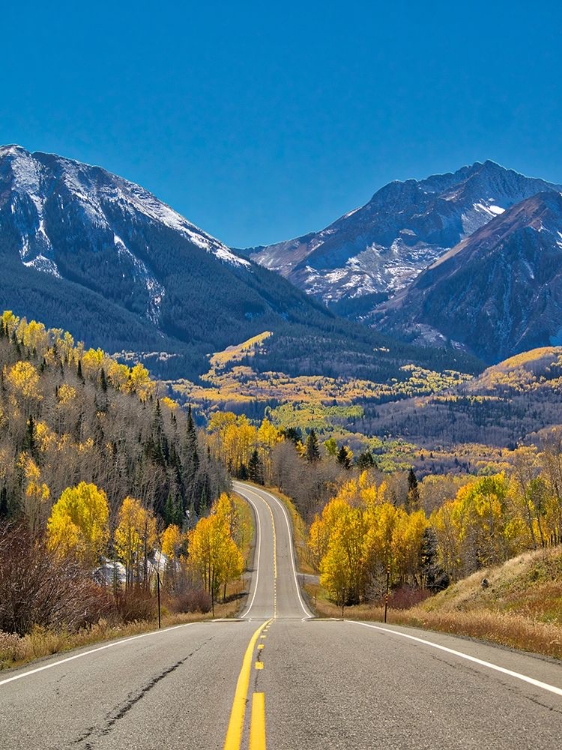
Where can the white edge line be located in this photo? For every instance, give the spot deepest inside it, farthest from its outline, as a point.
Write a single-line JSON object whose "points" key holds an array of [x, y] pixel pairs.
{"points": [[92, 651], [489, 665], [308, 614], [304, 608], [251, 604]]}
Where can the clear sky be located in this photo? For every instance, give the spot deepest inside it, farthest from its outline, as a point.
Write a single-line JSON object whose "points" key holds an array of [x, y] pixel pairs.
{"points": [[260, 121]]}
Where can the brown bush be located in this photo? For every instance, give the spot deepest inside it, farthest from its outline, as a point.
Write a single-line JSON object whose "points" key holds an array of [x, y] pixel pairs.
{"points": [[406, 597], [38, 590], [190, 600], [135, 605]]}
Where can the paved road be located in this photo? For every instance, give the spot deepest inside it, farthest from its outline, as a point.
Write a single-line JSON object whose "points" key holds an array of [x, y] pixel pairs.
{"points": [[304, 683]]}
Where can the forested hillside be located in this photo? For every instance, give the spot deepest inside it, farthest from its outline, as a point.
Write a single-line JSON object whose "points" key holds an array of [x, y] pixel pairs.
{"points": [[69, 415], [103, 481]]}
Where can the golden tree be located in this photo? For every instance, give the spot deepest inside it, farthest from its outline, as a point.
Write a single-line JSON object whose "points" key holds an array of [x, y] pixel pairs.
{"points": [[134, 539], [79, 523]]}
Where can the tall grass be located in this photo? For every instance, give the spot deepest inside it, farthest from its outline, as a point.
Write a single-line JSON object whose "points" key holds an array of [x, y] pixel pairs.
{"points": [[520, 607]]}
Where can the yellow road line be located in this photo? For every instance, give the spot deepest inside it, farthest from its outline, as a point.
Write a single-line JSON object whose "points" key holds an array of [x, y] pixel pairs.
{"points": [[257, 727], [259, 665], [236, 723]]}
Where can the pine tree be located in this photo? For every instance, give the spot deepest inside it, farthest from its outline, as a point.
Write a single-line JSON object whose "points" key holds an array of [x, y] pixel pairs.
{"points": [[192, 461], [366, 461], [343, 458], [413, 492], [312, 451], [255, 468]]}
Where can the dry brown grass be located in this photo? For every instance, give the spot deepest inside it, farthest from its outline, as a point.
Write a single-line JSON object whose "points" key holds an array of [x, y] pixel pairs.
{"points": [[17, 650], [521, 607]]}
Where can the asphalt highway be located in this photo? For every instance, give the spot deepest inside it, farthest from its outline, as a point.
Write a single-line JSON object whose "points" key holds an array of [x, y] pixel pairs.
{"points": [[279, 678]]}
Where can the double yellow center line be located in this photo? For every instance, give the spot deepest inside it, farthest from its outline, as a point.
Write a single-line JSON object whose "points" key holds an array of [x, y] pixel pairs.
{"points": [[274, 561], [236, 723]]}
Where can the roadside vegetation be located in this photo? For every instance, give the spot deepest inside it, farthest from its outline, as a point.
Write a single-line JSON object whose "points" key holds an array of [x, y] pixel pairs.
{"points": [[107, 493], [517, 604]]}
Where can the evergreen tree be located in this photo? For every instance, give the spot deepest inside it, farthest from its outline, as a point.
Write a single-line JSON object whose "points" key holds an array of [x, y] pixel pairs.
{"points": [[312, 451], [413, 492], [293, 434], [191, 463], [255, 468], [434, 577], [29, 438], [366, 461], [343, 458]]}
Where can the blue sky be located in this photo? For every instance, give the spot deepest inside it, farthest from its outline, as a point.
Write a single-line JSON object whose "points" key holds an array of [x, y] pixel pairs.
{"points": [[262, 121]]}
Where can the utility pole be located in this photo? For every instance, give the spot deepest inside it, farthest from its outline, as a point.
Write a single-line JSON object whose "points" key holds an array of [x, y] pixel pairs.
{"points": [[387, 589], [158, 590]]}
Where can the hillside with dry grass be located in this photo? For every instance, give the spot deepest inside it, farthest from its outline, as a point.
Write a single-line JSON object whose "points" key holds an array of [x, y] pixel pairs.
{"points": [[517, 604]]}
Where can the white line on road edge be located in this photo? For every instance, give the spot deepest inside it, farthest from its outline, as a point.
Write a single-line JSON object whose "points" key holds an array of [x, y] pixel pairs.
{"points": [[280, 504], [93, 651], [256, 492], [517, 675], [249, 607]]}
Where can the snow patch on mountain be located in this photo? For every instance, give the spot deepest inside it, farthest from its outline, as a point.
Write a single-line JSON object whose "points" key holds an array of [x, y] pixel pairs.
{"points": [[402, 230], [43, 264], [155, 290]]}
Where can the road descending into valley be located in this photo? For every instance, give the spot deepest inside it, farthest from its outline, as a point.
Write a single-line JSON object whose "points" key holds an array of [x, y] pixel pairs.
{"points": [[278, 677]]}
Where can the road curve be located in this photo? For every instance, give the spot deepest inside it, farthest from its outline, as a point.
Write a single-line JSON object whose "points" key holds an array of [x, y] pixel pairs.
{"points": [[274, 589], [280, 676]]}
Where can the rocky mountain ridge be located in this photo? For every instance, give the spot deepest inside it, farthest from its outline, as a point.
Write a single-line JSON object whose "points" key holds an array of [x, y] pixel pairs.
{"points": [[89, 252], [499, 292], [380, 248]]}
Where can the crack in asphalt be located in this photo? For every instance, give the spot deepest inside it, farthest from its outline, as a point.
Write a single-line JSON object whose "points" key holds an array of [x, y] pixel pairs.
{"points": [[98, 732]]}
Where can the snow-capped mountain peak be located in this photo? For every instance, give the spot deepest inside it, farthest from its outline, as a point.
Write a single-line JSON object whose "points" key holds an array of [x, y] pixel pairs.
{"points": [[382, 246], [41, 194]]}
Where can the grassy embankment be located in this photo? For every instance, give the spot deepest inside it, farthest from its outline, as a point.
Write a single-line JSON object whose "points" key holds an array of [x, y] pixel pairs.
{"points": [[40, 642], [521, 607]]}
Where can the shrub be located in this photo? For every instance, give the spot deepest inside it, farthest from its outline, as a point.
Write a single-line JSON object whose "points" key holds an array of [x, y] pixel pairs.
{"points": [[38, 590]]}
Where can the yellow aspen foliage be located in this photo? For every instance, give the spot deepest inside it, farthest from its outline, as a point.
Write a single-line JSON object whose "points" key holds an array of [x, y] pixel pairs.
{"points": [[169, 403], [134, 538], [33, 335], [445, 523], [36, 494], [343, 567], [36, 504], [139, 382], [318, 540], [10, 321], [79, 523], [381, 538], [267, 436], [24, 379], [92, 361], [225, 510], [407, 540], [65, 394], [213, 553], [171, 541], [118, 375]]}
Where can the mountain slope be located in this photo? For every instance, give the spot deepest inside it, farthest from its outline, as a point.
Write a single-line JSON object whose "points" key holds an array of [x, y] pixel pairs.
{"points": [[382, 246], [507, 404], [87, 251], [500, 291]]}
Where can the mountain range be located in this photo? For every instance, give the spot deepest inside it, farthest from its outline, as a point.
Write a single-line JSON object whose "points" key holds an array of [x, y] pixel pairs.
{"points": [[90, 252], [469, 261], [498, 292], [471, 257]]}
